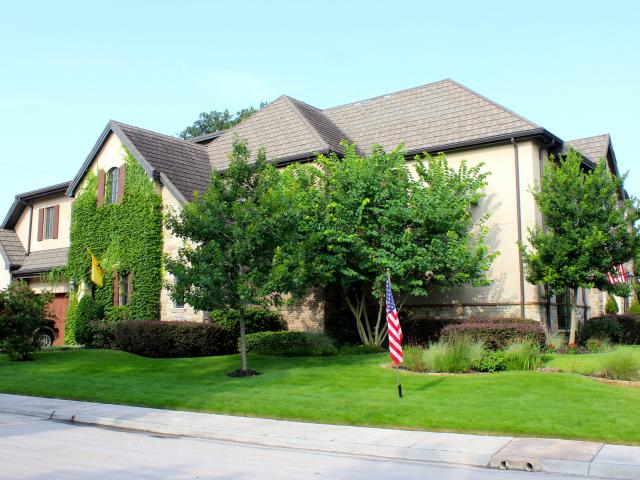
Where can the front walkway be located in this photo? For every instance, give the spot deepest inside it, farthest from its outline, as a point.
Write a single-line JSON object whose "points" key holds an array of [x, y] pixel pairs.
{"points": [[554, 456]]}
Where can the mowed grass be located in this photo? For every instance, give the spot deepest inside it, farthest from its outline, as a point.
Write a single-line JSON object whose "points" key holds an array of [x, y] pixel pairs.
{"points": [[586, 364], [352, 390]]}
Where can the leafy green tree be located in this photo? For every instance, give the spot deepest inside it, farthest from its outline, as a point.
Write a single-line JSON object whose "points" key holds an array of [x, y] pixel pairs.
{"points": [[213, 121], [364, 215], [231, 233], [22, 312], [611, 306], [588, 230]]}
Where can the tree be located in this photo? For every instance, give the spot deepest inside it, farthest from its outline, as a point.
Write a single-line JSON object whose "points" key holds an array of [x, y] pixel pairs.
{"points": [[588, 230], [22, 312], [364, 215], [230, 235], [213, 121]]}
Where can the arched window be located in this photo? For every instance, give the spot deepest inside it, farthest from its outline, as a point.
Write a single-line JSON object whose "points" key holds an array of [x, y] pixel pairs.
{"points": [[112, 179]]}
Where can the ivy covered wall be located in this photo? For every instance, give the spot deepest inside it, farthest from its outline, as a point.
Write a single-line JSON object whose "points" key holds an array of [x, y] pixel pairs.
{"points": [[125, 237]]}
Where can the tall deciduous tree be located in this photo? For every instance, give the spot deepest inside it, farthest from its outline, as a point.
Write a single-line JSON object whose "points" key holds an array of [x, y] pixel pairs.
{"points": [[363, 215], [213, 121], [588, 230], [231, 233]]}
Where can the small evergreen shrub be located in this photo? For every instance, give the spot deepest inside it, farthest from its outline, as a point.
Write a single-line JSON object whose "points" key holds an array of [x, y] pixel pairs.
{"points": [[496, 335], [453, 356], [634, 308], [620, 365], [22, 312], [611, 306], [173, 339], [491, 361], [525, 355], [87, 312], [294, 344], [602, 327], [257, 319]]}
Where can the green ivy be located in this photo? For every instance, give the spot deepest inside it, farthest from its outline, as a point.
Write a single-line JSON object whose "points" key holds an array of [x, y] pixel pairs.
{"points": [[125, 237]]}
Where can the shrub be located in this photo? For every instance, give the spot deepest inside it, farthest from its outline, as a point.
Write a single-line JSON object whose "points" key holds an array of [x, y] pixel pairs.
{"points": [[620, 365], [491, 361], [604, 326], [611, 306], [496, 335], [173, 339], [634, 308], [455, 355], [596, 345], [423, 331], [526, 355], [297, 344], [630, 329], [499, 320], [102, 333], [256, 320], [414, 359], [87, 312], [22, 312]]}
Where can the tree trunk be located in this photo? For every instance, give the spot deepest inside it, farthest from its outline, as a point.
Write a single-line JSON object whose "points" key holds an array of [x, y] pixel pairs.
{"points": [[574, 316], [243, 341], [363, 326]]}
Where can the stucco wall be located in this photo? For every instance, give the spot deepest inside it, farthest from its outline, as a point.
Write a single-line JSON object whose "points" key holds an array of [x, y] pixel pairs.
{"points": [[39, 285], [64, 223], [502, 297], [5, 276]]}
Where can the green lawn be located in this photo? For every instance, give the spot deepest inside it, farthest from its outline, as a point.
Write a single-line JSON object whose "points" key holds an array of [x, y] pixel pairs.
{"points": [[584, 364], [343, 390]]}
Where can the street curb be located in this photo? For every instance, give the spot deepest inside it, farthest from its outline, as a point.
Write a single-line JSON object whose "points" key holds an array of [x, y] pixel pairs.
{"points": [[501, 458]]}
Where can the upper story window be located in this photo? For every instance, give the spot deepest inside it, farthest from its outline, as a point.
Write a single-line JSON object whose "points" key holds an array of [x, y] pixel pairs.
{"points": [[49, 219], [48, 222], [112, 179]]}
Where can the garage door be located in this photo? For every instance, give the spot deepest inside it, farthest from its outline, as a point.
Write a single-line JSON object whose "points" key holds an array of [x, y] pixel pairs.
{"points": [[58, 309]]}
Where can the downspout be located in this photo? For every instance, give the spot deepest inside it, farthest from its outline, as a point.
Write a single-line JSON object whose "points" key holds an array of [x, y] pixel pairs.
{"points": [[30, 226], [519, 222]]}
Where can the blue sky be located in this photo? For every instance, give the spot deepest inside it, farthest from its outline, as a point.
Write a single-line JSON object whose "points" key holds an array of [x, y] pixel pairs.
{"points": [[66, 68]]}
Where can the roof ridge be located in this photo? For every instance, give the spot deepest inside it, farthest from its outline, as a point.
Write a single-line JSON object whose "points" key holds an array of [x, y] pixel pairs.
{"points": [[496, 104], [404, 90], [292, 101], [168, 137]]}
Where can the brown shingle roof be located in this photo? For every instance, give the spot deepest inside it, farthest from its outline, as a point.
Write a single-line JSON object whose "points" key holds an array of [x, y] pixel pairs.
{"points": [[594, 148], [11, 248], [436, 114], [185, 163], [286, 128], [42, 261]]}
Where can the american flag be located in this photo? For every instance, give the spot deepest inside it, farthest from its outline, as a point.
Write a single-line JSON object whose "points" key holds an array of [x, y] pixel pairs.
{"points": [[393, 322], [620, 275]]}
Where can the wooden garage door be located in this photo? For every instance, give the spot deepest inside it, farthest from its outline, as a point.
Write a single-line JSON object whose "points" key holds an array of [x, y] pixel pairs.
{"points": [[59, 310]]}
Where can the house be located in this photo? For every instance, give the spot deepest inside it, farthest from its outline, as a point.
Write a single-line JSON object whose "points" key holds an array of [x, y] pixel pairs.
{"points": [[444, 116]]}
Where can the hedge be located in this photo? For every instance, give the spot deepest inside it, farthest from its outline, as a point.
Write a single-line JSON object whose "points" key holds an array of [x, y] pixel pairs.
{"points": [[496, 335], [617, 328], [173, 339], [296, 344]]}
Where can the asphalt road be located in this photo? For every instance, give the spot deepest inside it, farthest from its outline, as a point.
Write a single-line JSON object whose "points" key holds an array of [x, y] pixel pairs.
{"points": [[32, 448]]}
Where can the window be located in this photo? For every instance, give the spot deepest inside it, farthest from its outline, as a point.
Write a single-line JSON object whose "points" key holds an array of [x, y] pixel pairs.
{"points": [[112, 179], [124, 289], [49, 219]]}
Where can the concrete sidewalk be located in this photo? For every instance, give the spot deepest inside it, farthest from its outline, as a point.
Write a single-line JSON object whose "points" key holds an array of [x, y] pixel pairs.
{"points": [[553, 456]]}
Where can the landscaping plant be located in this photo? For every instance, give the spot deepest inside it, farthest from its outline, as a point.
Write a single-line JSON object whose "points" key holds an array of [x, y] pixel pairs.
{"points": [[453, 356], [414, 359], [231, 234], [496, 335], [22, 312], [580, 244], [525, 355], [298, 344], [611, 306], [620, 365], [491, 361], [362, 215]]}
